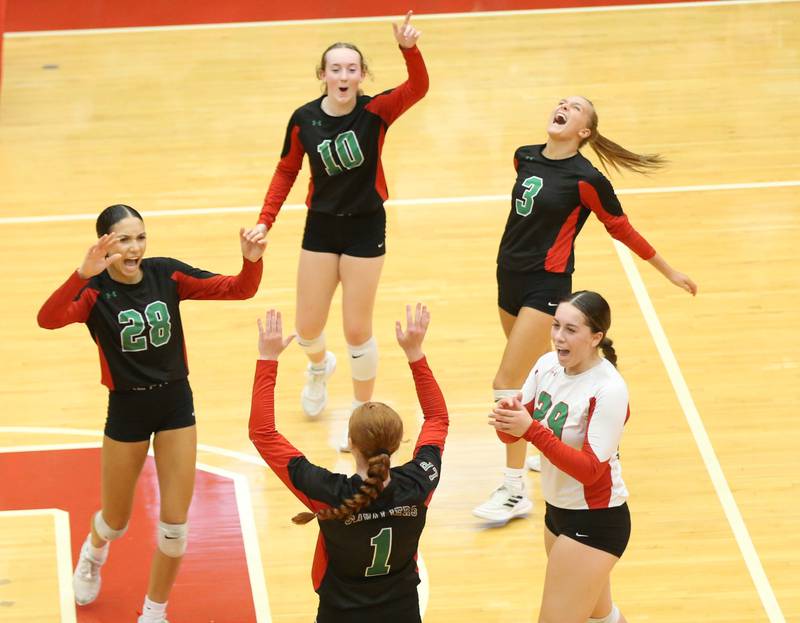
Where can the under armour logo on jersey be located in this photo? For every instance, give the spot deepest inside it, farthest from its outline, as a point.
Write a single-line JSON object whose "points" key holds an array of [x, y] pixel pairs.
{"points": [[317, 123], [110, 295]]}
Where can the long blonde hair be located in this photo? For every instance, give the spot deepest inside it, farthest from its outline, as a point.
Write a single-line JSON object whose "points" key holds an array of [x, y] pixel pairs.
{"points": [[376, 431], [615, 154]]}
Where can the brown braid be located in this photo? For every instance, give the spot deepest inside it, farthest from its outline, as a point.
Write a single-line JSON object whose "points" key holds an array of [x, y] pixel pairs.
{"points": [[612, 153], [376, 431], [377, 473]]}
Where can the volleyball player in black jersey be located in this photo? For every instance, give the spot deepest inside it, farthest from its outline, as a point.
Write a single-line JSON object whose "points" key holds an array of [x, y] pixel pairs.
{"points": [[130, 306], [370, 523], [556, 190], [345, 234]]}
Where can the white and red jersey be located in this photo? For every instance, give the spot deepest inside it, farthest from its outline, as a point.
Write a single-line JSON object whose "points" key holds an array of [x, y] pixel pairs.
{"points": [[578, 421]]}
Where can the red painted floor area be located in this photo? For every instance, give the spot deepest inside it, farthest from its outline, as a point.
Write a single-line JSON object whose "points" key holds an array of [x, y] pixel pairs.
{"points": [[24, 15], [213, 584]]}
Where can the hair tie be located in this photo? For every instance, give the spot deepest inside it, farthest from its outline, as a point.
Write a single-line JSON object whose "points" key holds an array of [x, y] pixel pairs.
{"points": [[382, 451]]}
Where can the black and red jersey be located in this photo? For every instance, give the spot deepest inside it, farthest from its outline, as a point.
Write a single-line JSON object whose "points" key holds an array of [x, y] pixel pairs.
{"points": [[550, 203], [137, 327], [344, 152], [369, 559]]}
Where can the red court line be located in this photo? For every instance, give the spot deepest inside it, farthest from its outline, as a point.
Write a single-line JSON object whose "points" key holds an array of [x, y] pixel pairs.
{"points": [[213, 583], [28, 15]]}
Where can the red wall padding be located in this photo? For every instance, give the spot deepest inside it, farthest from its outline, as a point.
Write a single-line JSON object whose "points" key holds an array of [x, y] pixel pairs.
{"points": [[26, 15]]}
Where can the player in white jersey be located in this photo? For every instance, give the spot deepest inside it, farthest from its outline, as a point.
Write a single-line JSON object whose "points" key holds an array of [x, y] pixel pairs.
{"points": [[573, 407]]}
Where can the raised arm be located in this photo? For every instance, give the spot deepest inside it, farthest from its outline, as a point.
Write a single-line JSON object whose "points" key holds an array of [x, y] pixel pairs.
{"points": [[434, 409], [73, 301], [194, 283], [389, 105], [273, 447]]}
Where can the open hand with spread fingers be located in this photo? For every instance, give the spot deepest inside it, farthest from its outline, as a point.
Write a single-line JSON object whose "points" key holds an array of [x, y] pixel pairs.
{"points": [[97, 257], [271, 342], [406, 34], [416, 327]]}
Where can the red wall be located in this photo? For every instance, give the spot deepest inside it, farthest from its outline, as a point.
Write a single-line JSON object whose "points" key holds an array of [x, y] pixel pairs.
{"points": [[25, 15]]}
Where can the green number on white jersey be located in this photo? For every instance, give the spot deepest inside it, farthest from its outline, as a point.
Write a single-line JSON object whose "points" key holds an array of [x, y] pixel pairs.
{"points": [[382, 544], [532, 187], [348, 150]]}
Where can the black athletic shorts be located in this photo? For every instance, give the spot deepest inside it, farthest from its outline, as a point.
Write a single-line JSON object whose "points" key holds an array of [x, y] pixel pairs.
{"points": [[405, 610], [135, 414], [540, 290], [607, 529], [358, 235]]}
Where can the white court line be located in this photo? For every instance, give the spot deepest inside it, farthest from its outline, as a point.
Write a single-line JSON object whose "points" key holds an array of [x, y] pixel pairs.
{"points": [[384, 18], [66, 597], [728, 502], [422, 201], [243, 501]]}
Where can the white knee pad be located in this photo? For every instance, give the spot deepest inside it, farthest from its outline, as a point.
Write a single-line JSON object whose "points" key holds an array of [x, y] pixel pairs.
{"points": [[611, 617], [104, 531], [312, 346], [172, 538], [364, 360]]}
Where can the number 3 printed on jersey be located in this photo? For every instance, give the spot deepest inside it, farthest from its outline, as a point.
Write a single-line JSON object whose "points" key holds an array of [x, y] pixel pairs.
{"points": [[347, 149], [158, 320], [532, 186]]}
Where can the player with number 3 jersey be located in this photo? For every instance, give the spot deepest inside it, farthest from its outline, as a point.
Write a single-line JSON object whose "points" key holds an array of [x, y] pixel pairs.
{"points": [[130, 305], [557, 189], [342, 132], [365, 567]]}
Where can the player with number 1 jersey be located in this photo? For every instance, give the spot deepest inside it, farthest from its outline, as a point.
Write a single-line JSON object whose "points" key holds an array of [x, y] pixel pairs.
{"points": [[344, 240], [365, 564]]}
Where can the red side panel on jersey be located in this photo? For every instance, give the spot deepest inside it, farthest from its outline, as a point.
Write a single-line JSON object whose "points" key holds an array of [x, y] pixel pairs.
{"points": [[558, 255], [380, 178], [320, 565], [598, 494], [221, 287], [105, 370], [285, 173], [63, 308], [618, 226]]}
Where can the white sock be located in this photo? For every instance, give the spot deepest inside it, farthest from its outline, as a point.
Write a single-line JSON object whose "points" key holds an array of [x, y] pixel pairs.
{"points": [[100, 554], [152, 611], [513, 479], [320, 366]]}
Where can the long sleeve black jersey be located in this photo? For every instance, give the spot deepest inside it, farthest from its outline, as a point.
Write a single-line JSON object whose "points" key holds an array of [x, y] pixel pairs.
{"points": [[369, 559], [137, 327], [344, 152], [550, 203]]}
